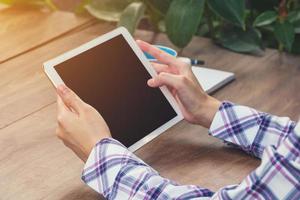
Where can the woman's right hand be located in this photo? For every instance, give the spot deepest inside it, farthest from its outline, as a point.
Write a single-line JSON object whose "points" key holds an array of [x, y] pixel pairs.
{"points": [[196, 106]]}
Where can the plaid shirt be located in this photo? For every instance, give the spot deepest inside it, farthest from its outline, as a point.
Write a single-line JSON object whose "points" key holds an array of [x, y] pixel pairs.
{"points": [[118, 174]]}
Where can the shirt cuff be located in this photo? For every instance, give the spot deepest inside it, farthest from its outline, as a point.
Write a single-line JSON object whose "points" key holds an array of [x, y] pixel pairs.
{"points": [[220, 123], [105, 163], [236, 125]]}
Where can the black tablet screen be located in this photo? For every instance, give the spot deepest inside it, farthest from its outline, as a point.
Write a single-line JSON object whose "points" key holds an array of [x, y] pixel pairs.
{"points": [[112, 79]]}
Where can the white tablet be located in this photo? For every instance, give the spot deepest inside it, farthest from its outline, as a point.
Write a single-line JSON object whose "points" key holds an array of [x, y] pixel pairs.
{"points": [[110, 73]]}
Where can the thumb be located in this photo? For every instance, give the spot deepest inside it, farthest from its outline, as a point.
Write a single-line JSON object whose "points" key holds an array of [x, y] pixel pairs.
{"points": [[70, 99], [165, 79]]}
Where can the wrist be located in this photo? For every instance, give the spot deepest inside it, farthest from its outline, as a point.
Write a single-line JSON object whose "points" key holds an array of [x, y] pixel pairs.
{"points": [[207, 111], [95, 140]]}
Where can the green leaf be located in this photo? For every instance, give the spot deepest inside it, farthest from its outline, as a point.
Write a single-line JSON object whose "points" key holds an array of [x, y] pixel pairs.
{"points": [[296, 45], [269, 39], [297, 27], [108, 10], [183, 19], [294, 16], [231, 10], [285, 34], [265, 18], [203, 30], [263, 5], [132, 15], [156, 11], [238, 40], [158, 5]]}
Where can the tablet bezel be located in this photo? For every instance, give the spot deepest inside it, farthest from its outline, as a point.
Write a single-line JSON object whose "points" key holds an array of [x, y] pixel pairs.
{"points": [[49, 68]]}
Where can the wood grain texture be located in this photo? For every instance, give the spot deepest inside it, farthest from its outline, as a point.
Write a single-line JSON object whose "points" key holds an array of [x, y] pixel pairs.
{"points": [[23, 29], [24, 87], [35, 165]]}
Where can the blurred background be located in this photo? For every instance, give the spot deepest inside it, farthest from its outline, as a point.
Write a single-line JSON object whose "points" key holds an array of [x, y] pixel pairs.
{"points": [[244, 26], [264, 33]]}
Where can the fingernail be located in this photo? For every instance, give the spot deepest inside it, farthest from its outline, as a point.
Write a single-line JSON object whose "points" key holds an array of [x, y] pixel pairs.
{"points": [[151, 82], [63, 89]]}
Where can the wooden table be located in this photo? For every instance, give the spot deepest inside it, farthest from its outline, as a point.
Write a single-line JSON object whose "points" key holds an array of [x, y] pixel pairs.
{"points": [[35, 165]]}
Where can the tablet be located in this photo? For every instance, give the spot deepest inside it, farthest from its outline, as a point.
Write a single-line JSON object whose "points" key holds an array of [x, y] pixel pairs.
{"points": [[110, 73]]}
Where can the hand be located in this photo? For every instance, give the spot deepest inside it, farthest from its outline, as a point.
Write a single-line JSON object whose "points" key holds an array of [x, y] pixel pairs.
{"points": [[196, 106], [80, 126]]}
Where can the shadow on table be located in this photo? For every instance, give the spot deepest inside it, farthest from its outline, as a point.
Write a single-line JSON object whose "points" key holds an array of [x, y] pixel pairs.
{"points": [[82, 193]]}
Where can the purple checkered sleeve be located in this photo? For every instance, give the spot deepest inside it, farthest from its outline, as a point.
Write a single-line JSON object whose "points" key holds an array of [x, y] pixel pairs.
{"points": [[249, 129], [118, 174]]}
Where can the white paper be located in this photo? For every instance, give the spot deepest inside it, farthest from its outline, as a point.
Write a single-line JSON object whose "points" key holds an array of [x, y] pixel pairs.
{"points": [[212, 79]]}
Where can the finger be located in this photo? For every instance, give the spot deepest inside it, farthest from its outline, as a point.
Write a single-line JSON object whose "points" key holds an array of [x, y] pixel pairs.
{"points": [[161, 68], [61, 107], [160, 55], [70, 99], [164, 68], [165, 79]]}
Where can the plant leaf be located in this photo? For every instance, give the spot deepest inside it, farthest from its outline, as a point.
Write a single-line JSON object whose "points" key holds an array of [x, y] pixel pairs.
{"points": [[294, 16], [109, 10], [183, 19], [285, 34], [297, 27], [231, 10], [265, 18], [263, 5], [156, 10], [132, 15], [238, 40], [158, 5], [296, 45]]}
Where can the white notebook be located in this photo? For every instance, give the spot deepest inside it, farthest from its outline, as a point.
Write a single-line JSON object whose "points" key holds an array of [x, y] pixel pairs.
{"points": [[212, 79]]}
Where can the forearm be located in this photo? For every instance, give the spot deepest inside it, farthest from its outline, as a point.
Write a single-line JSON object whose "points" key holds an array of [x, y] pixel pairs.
{"points": [[251, 130], [117, 174], [277, 177], [207, 110]]}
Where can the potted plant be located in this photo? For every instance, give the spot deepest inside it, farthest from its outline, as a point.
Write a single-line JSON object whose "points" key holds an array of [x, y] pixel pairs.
{"points": [[245, 26]]}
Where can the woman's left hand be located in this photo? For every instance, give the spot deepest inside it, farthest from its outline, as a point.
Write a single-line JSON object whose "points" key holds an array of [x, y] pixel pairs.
{"points": [[80, 126]]}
